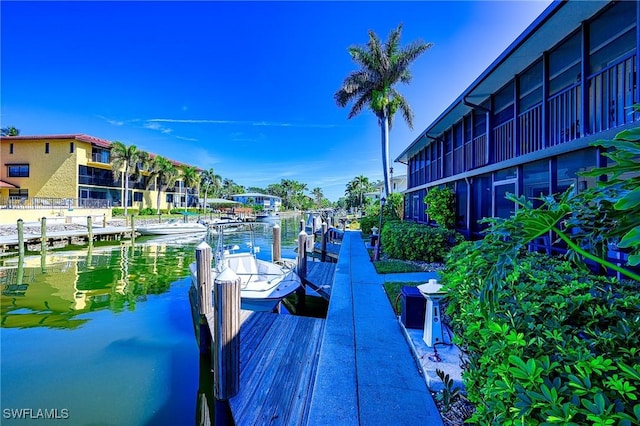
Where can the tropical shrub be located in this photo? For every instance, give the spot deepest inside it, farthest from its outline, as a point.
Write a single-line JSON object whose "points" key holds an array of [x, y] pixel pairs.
{"points": [[547, 341], [557, 345], [368, 222], [412, 241], [441, 206]]}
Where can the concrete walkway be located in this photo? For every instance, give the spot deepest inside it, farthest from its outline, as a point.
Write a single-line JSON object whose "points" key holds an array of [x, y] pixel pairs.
{"points": [[367, 374]]}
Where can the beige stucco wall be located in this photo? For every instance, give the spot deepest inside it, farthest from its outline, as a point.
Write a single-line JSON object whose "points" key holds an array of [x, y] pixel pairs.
{"points": [[53, 174]]}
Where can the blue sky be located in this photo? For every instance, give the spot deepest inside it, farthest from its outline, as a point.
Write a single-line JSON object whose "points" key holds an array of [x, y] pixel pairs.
{"points": [[245, 88]]}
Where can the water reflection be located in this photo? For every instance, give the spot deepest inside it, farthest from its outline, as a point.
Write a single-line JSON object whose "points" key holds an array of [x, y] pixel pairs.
{"points": [[53, 289]]}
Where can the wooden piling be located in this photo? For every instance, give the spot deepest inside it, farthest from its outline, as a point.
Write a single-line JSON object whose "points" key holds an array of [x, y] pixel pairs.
{"points": [[301, 225], [277, 243], [89, 228], [20, 237], [226, 335], [323, 247], [205, 306], [43, 235], [104, 220], [302, 268]]}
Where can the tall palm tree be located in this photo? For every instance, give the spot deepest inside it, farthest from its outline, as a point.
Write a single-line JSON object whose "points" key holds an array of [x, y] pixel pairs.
{"points": [[10, 131], [209, 181], [126, 161], [164, 174], [382, 67], [317, 195], [191, 179]]}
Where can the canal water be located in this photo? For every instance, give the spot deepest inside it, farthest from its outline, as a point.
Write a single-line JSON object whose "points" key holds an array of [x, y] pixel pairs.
{"points": [[103, 335]]}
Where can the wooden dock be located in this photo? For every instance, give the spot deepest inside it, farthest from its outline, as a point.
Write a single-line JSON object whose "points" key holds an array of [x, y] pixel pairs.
{"points": [[61, 238], [278, 359], [320, 277]]}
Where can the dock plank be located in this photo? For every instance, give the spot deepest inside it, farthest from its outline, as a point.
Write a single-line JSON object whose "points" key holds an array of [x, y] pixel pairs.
{"points": [[278, 355], [320, 277]]}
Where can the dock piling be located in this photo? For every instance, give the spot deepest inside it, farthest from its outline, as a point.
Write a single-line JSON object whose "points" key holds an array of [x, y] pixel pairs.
{"points": [[90, 228], [43, 235], [226, 335], [20, 237], [302, 266], [205, 307], [277, 243], [323, 247]]}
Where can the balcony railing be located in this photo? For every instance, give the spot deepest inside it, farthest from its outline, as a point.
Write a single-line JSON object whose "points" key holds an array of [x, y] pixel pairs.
{"points": [[101, 157], [564, 115], [530, 132], [503, 147], [612, 91]]}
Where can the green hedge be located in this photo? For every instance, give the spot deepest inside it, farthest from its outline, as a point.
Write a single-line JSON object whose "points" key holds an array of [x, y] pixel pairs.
{"points": [[413, 241], [554, 346]]}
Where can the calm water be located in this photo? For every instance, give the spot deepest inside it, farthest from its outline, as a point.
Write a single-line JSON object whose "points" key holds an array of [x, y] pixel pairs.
{"points": [[104, 336]]}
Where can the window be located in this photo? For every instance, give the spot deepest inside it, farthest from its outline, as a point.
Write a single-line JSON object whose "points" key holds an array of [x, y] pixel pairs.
{"points": [[569, 165], [46, 147], [169, 198], [536, 181], [11, 148], [71, 147], [503, 105], [531, 87], [137, 196], [564, 64], [18, 170], [612, 35]]}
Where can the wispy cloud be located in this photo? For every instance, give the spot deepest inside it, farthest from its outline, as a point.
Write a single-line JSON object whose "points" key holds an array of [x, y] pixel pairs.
{"points": [[158, 127], [112, 122], [260, 123], [187, 139]]}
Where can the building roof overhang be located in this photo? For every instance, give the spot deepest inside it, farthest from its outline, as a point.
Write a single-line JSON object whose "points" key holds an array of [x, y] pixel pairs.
{"points": [[4, 184], [556, 22]]}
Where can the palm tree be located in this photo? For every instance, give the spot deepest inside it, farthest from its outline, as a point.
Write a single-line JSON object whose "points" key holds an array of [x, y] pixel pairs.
{"points": [[209, 181], [382, 66], [317, 195], [191, 179], [10, 131], [126, 161], [164, 174]]}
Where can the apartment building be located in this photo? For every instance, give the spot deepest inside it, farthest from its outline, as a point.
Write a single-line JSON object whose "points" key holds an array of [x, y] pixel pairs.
{"points": [[525, 125], [41, 170]]}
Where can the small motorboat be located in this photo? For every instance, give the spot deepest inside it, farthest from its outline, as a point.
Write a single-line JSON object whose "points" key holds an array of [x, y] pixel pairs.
{"points": [[263, 284], [269, 216], [171, 227]]}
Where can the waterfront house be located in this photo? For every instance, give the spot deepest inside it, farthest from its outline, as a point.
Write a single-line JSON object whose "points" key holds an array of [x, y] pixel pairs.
{"points": [[37, 171], [525, 124], [266, 201]]}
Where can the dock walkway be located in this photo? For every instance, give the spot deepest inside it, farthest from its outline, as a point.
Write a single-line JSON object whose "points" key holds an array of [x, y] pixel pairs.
{"points": [[366, 374]]}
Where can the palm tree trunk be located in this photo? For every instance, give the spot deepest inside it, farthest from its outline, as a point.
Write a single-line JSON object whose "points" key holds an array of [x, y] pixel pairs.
{"points": [[159, 189], [125, 196], [385, 150]]}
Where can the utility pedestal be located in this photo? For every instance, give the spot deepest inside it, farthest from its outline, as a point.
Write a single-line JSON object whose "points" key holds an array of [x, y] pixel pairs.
{"points": [[432, 291]]}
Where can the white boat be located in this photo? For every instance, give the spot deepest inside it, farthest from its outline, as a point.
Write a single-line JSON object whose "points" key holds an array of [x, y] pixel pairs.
{"points": [[171, 227], [269, 216], [229, 224], [263, 284]]}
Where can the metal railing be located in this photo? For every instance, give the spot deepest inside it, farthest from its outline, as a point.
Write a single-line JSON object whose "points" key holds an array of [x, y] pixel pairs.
{"points": [[52, 203]]}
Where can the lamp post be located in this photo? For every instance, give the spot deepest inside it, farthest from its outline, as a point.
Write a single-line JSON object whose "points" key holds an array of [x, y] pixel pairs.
{"points": [[382, 201]]}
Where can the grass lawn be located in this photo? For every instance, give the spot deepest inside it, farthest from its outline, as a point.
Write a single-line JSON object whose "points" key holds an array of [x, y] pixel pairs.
{"points": [[393, 290], [392, 266]]}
